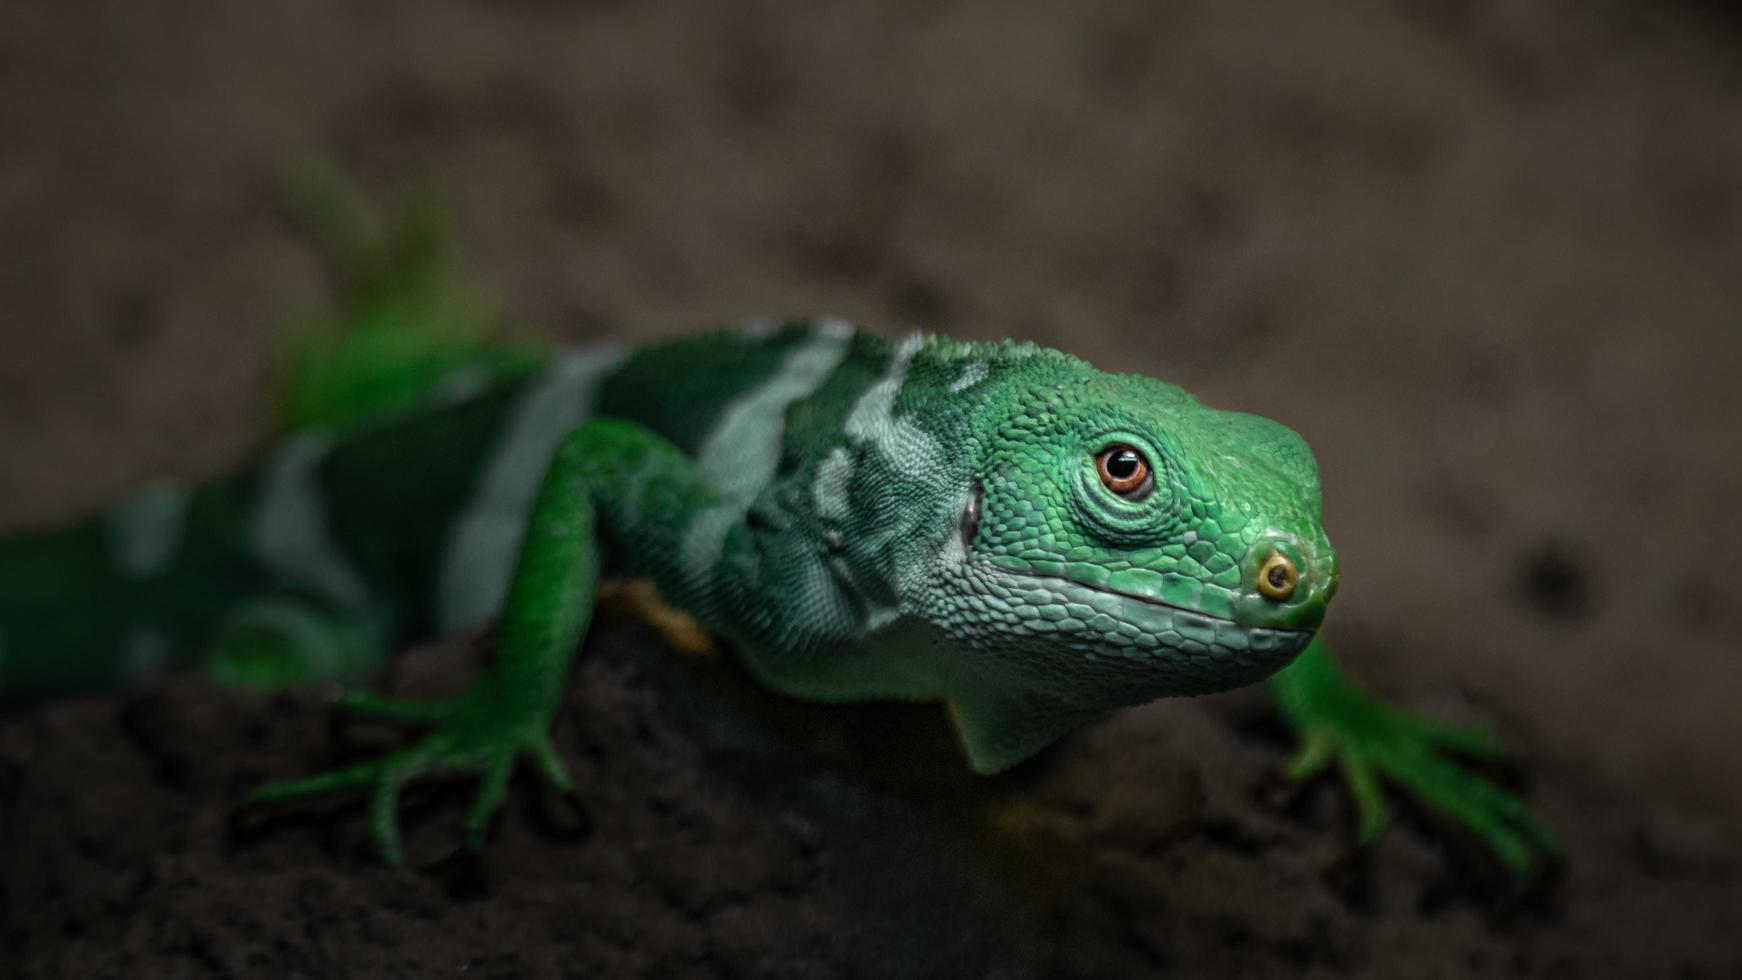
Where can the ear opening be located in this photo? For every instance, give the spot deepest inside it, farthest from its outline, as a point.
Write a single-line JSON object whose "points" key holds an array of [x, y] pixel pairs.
{"points": [[971, 515]]}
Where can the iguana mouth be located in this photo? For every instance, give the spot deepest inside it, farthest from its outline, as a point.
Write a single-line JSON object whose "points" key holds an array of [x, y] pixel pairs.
{"points": [[1151, 600]]}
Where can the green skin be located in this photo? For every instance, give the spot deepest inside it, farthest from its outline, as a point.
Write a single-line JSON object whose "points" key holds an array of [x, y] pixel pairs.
{"points": [[861, 518]]}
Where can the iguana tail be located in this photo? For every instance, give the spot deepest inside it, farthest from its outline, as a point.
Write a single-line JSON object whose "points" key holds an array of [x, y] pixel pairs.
{"points": [[308, 564], [172, 575], [84, 607]]}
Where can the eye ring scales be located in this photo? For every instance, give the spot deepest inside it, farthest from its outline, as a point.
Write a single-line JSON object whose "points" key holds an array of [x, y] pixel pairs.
{"points": [[1278, 577], [1125, 471]]}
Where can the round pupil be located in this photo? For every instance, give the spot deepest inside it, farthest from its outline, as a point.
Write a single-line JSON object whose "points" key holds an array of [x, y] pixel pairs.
{"points": [[1123, 465], [1278, 576]]}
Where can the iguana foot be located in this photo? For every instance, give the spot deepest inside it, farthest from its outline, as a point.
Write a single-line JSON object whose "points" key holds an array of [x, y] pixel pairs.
{"points": [[276, 642], [1373, 742], [479, 733]]}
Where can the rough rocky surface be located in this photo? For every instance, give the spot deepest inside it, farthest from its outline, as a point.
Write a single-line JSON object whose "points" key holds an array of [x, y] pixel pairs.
{"points": [[1481, 253], [730, 833]]}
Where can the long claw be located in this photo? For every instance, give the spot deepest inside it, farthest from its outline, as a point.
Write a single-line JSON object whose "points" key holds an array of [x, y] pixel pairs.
{"points": [[1503, 822], [1514, 854], [384, 808], [1363, 780], [1481, 743], [384, 820], [1317, 749], [1541, 835], [491, 793], [361, 774], [1520, 820], [399, 711], [550, 765]]}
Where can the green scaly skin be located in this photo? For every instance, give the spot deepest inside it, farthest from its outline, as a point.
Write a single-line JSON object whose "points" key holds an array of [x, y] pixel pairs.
{"points": [[860, 518]]}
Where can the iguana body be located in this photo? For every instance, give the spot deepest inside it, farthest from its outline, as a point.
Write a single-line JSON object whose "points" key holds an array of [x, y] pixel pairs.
{"points": [[799, 490], [995, 526]]}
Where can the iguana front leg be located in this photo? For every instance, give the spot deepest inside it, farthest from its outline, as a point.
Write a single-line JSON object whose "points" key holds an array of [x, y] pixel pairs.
{"points": [[607, 475], [1338, 721]]}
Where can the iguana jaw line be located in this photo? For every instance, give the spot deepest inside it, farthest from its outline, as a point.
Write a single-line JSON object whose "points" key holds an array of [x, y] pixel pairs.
{"points": [[1151, 600]]}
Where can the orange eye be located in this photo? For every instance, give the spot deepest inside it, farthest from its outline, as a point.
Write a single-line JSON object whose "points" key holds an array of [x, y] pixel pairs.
{"points": [[1125, 471]]}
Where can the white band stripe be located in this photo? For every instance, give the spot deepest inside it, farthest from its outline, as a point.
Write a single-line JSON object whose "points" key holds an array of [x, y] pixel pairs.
{"points": [[479, 560]]}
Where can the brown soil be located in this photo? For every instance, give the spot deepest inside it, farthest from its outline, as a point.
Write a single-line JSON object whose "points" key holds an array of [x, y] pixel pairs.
{"points": [[730, 833]]}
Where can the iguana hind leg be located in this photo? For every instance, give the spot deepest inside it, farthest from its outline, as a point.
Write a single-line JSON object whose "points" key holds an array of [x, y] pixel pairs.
{"points": [[405, 331]]}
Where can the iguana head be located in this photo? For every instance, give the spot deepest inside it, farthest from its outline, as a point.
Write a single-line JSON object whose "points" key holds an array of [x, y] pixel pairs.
{"points": [[1156, 542]]}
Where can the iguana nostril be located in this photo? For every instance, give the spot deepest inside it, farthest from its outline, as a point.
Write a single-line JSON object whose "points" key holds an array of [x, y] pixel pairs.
{"points": [[1277, 577]]}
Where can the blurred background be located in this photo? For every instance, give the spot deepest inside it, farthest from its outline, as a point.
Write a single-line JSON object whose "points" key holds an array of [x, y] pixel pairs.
{"points": [[1485, 256]]}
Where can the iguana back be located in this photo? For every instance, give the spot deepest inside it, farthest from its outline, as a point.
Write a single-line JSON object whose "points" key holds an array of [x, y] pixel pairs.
{"points": [[358, 541]]}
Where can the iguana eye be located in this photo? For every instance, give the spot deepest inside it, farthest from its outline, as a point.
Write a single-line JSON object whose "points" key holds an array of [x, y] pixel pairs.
{"points": [[1125, 472]]}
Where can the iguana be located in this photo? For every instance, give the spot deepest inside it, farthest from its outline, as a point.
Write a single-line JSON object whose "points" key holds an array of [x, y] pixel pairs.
{"points": [[995, 526]]}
